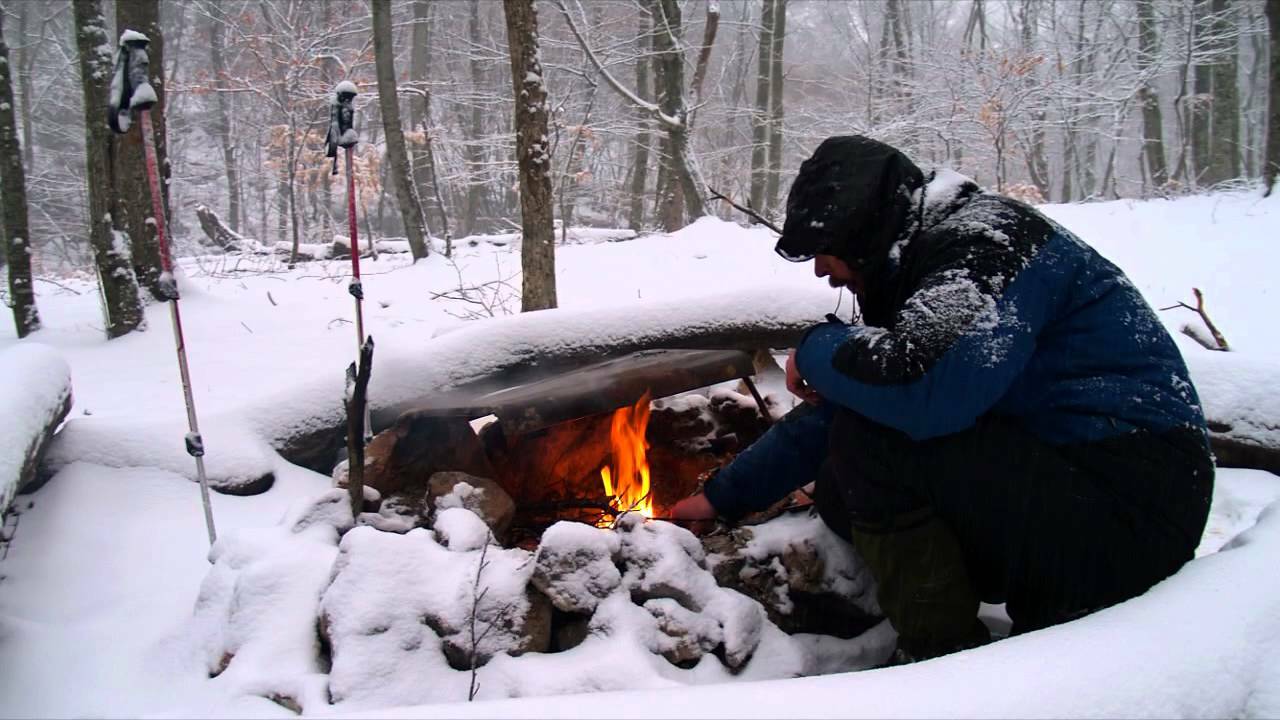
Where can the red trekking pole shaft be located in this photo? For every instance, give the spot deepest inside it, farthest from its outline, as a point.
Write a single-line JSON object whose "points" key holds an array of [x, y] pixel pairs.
{"points": [[194, 442], [357, 290]]}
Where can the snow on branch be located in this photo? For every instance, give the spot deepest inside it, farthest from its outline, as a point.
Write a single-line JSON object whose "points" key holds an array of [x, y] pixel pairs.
{"points": [[624, 91]]}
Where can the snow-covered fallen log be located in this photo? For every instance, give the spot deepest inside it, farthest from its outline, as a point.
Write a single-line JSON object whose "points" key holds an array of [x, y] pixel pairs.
{"points": [[1242, 406], [237, 460], [34, 399], [304, 423]]}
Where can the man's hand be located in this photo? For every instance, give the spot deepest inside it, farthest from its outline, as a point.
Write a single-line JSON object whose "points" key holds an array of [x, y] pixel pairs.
{"points": [[694, 507], [695, 513], [797, 385]]}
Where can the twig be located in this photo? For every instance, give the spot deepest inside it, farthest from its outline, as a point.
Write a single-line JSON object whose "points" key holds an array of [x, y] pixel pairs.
{"points": [[1199, 309], [273, 300], [716, 194], [477, 594], [54, 282]]}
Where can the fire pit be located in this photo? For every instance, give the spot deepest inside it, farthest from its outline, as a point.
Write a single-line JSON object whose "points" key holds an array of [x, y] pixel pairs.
{"points": [[584, 444]]}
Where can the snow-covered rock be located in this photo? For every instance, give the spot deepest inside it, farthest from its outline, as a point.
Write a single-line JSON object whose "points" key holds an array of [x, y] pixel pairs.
{"points": [[401, 609], [576, 566], [255, 616], [482, 496], [665, 561], [807, 578]]}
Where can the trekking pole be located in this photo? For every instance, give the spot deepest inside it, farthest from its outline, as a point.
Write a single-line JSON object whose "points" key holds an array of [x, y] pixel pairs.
{"points": [[342, 134], [131, 90]]}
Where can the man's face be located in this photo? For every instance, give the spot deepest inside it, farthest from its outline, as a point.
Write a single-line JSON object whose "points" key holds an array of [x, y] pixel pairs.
{"points": [[838, 273]]}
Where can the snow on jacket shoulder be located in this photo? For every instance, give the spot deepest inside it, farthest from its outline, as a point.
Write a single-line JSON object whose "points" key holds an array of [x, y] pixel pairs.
{"points": [[996, 309]]}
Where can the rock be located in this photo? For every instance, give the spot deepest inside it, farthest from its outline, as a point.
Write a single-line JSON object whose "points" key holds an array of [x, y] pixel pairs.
{"points": [[461, 530], [574, 566], [480, 495], [664, 561], [665, 571], [399, 610], [806, 578], [684, 636], [533, 628], [570, 632]]}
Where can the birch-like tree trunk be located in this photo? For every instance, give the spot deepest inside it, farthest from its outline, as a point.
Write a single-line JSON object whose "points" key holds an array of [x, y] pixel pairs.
{"points": [[397, 153], [760, 114], [121, 305], [775, 105], [537, 250], [130, 163], [13, 186], [640, 158], [26, 64], [473, 150], [1271, 169]]}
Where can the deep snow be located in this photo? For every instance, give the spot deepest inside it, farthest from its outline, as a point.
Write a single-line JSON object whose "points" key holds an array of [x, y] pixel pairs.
{"points": [[100, 581]]}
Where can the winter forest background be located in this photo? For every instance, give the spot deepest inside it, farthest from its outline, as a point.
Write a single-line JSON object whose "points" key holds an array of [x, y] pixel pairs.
{"points": [[1046, 100]]}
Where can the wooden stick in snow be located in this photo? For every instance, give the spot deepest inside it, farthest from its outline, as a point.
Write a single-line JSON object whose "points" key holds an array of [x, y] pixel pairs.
{"points": [[1218, 338], [355, 402]]}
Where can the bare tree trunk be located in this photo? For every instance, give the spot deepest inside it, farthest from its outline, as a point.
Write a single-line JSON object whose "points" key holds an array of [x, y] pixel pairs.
{"points": [[709, 30], [668, 31], [131, 171], [1271, 169], [423, 155], [775, 105], [1152, 122], [121, 305], [1201, 112], [389, 102], [222, 118], [1224, 137], [13, 186], [640, 160], [473, 150], [760, 116], [529, 91], [1037, 163]]}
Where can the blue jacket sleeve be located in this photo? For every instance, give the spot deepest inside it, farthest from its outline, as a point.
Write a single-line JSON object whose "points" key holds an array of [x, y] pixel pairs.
{"points": [[951, 357], [786, 457]]}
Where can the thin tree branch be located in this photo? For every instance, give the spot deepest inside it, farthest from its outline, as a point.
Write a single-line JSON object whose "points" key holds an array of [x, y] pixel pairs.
{"points": [[717, 195]]}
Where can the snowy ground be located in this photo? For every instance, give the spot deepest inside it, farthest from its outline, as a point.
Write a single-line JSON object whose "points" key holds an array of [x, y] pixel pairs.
{"points": [[100, 579]]}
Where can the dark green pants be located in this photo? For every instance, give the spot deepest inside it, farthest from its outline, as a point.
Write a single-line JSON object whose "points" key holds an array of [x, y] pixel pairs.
{"points": [[993, 513]]}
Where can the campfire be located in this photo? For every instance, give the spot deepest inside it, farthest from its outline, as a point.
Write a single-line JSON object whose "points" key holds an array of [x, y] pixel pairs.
{"points": [[627, 436], [626, 478]]}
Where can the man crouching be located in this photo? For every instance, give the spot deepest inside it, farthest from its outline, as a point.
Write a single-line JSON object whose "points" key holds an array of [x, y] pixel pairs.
{"points": [[1010, 422]]}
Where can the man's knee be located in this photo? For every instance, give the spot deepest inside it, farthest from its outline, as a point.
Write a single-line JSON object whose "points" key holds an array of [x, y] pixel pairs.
{"points": [[870, 463]]}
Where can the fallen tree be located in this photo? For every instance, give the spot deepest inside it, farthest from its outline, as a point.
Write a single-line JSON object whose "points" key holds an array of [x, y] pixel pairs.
{"points": [[32, 408]]}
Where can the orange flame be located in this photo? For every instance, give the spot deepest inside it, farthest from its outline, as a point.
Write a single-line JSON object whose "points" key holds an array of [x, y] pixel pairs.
{"points": [[626, 481]]}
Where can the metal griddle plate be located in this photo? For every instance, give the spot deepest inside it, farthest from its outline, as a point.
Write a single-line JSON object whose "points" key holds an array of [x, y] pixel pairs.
{"points": [[594, 389]]}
